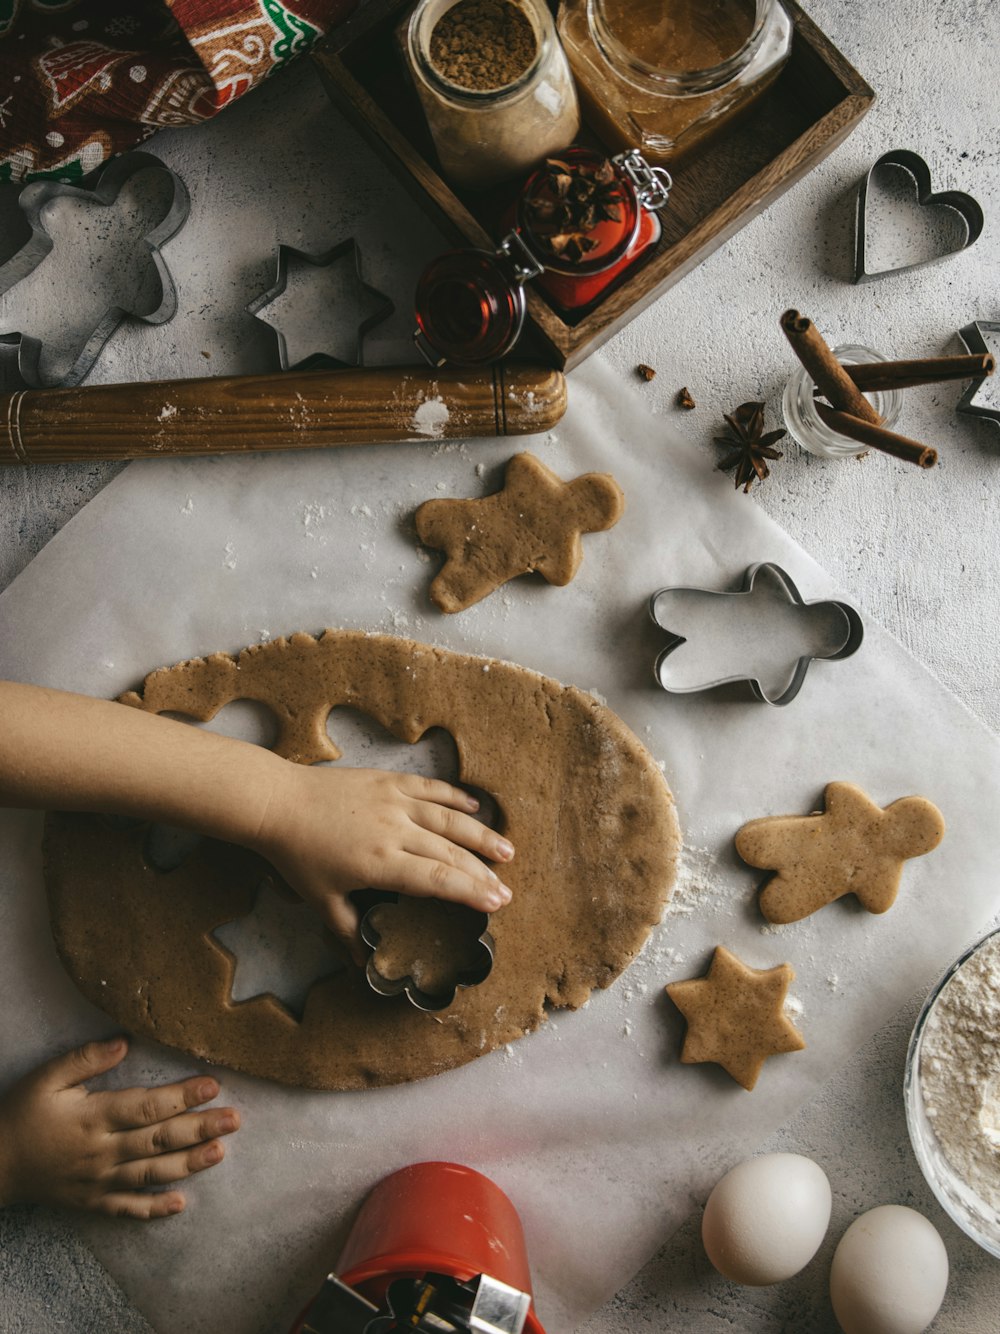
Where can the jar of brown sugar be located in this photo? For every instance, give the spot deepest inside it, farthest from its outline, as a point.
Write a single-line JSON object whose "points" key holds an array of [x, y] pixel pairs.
{"points": [[494, 84], [665, 76]]}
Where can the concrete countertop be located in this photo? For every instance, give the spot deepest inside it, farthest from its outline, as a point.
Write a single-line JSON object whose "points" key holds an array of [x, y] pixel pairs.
{"points": [[918, 551]]}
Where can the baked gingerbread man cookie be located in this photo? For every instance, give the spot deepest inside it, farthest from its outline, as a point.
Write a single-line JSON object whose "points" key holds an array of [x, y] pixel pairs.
{"points": [[852, 847], [534, 524], [735, 1016]]}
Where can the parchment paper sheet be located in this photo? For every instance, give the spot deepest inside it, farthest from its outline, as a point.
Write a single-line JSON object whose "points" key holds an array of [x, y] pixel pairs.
{"points": [[601, 1138]]}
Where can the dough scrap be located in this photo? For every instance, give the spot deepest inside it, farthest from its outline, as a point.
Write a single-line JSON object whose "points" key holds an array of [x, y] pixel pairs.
{"points": [[735, 1016], [583, 802], [534, 523], [852, 847]]}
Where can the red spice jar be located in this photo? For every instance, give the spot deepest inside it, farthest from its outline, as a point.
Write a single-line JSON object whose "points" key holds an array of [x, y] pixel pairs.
{"points": [[470, 304]]}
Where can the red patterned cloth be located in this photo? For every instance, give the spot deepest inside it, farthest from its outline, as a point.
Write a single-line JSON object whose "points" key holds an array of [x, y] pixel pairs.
{"points": [[81, 80]]}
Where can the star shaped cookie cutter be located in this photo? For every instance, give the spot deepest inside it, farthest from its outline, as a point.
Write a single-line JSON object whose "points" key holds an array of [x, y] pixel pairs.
{"points": [[407, 985], [974, 337], [107, 185], [847, 641], [967, 208], [289, 257]]}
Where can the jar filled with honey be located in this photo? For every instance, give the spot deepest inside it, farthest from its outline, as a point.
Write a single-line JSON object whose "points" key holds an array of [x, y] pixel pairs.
{"points": [[665, 76]]}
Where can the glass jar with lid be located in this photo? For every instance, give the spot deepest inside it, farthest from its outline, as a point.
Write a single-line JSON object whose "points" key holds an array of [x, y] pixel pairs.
{"points": [[494, 85], [665, 76], [580, 224]]}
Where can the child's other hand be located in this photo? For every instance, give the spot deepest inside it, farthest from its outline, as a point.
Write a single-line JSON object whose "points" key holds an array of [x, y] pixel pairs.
{"points": [[63, 1145], [331, 831]]}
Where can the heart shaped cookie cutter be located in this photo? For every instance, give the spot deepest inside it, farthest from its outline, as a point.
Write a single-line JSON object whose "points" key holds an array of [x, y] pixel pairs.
{"points": [[107, 185], [964, 205], [842, 634], [407, 985]]}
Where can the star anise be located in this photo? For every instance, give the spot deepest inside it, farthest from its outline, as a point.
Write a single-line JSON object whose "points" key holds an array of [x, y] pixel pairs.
{"points": [[749, 447], [569, 202]]}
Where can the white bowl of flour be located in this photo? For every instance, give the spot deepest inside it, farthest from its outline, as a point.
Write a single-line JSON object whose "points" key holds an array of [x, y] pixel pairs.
{"points": [[952, 1092]]}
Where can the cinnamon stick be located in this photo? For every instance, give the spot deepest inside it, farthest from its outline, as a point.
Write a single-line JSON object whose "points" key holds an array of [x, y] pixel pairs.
{"points": [[877, 375], [829, 376], [877, 437]]}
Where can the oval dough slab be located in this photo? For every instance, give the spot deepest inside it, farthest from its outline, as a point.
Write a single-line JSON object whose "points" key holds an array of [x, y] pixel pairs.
{"points": [[583, 802]]}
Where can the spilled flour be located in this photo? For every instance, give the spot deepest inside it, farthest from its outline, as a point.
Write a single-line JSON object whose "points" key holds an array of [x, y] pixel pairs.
{"points": [[959, 1075]]}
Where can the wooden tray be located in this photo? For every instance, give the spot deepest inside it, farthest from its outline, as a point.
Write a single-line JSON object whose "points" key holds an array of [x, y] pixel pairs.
{"points": [[813, 106]]}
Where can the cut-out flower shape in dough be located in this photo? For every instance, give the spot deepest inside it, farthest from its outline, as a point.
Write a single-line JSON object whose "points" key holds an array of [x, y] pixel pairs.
{"points": [[426, 949]]}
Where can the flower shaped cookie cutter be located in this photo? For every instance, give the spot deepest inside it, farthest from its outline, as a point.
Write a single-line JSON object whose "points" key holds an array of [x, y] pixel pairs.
{"points": [[423, 997], [764, 621], [34, 200]]}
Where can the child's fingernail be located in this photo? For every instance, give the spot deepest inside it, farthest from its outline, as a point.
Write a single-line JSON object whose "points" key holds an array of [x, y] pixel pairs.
{"points": [[176, 1206], [227, 1125], [207, 1090], [213, 1154], [504, 849], [115, 1045], [471, 803], [504, 893]]}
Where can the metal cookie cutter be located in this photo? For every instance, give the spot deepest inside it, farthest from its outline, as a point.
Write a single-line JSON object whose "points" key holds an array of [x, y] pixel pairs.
{"points": [[975, 402], [964, 205], [291, 259], [470, 976], [105, 190], [434, 1304], [732, 642]]}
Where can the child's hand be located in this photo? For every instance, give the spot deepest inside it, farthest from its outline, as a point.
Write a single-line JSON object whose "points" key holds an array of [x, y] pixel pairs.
{"points": [[331, 831], [62, 1145]]}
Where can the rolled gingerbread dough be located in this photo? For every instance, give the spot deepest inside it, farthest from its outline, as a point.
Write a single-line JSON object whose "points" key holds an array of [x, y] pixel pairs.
{"points": [[583, 802]]}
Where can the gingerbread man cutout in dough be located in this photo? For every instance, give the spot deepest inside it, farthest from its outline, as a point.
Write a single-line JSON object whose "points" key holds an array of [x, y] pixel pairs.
{"points": [[534, 523], [853, 847]]}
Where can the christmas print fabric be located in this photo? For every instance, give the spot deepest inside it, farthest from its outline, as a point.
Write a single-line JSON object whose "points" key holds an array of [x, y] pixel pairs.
{"points": [[81, 80]]}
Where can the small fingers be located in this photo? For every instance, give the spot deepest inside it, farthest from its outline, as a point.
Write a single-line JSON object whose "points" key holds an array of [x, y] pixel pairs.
{"points": [[430, 877], [131, 1108], [434, 790], [86, 1062], [162, 1204], [464, 831], [166, 1167], [343, 921], [177, 1132]]}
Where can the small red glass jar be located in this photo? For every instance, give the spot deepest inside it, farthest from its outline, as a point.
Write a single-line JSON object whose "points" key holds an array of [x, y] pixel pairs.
{"points": [[470, 304]]}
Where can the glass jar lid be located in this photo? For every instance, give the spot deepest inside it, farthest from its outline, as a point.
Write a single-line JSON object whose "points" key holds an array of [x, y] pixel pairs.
{"points": [[678, 47]]}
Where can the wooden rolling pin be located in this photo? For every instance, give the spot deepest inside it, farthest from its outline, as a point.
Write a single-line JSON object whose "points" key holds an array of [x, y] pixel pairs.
{"points": [[287, 410]]}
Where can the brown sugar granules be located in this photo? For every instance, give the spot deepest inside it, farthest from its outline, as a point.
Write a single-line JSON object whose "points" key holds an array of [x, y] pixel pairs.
{"points": [[483, 44]]}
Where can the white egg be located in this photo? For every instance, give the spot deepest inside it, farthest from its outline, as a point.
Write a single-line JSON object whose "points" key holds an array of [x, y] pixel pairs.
{"points": [[765, 1219], [889, 1273]]}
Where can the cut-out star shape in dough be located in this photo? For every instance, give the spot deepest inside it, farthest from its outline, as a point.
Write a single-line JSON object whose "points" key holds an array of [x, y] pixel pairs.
{"points": [[279, 949], [534, 524], [735, 1016], [853, 847]]}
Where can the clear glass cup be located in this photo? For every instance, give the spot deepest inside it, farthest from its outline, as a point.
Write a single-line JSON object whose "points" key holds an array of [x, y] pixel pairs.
{"points": [[804, 423], [666, 76], [956, 1197], [484, 136]]}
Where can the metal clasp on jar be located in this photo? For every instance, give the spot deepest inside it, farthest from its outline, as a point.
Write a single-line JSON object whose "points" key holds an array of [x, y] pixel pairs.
{"points": [[652, 185]]}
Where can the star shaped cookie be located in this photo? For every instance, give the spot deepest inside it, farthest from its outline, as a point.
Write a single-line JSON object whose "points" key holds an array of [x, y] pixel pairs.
{"points": [[735, 1017], [534, 523], [853, 847]]}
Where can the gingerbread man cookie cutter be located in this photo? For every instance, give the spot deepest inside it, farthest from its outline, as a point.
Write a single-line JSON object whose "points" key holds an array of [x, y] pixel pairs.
{"points": [[767, 600], [34, 200]]}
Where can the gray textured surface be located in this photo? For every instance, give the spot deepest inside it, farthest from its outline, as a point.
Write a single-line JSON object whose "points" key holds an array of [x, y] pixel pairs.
{"points": [[918, 550]]}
